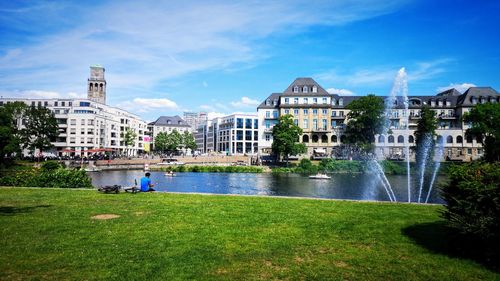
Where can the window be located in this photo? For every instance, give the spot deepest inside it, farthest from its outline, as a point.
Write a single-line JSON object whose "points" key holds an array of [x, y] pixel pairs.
{"points": [[449, 139], [306, 100], [268, 124], [341, 113], [305, 124], [305, 89], [83, 122], [239, 123], [287, 100], [460, 139], [295, 89], [315, 112], [72, 131], [268, 114], [82, 103], [287, 111], [334, 138], [324, 124], [401, 139], [268, 137], [275, 114], [325, 100], [341, 101], [306, 111], [72, 121], [72, 140], [295, 100], [411, 139], [334, 124], [248, 135], [239, 135], [391, 139], [324, 138], [334, 113], [324, 111], [248, 123], [315, 124], [381, 139], [305, 138], [315, 100], [256, 123], [315, 89], [334, 101], [296, 122], [296, 111], [55, 103], [64, 104]]}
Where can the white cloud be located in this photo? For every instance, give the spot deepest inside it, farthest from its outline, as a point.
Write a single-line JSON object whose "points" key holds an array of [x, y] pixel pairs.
{"points": [[459, 87], [342, 92], [156, 103], [40, 94], [142, 43], [212, 115], [384, 75], [245, 102]]}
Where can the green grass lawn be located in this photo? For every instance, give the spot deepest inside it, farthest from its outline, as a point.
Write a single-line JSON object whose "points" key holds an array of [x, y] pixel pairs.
{"points": [[49, 234]]}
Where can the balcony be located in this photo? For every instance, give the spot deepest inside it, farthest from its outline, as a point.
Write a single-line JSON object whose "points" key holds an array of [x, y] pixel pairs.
{"points": [[338, 117], [268, 130], [320, 130]]}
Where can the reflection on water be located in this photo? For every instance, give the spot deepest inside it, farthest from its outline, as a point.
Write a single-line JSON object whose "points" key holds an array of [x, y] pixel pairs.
{"points": [[341, 186]]}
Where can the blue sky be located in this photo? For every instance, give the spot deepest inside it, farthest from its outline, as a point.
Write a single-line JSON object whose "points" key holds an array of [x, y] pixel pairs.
{"points": [[166, 57]]}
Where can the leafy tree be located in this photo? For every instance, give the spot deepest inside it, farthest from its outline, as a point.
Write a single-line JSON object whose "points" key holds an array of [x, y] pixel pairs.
{"points": [[285, 136], [188, 140], [40, 128], [424, 135], [129, 138], [10, 142], [174, 140], [485, 125], [365, 120], [161, 142]]}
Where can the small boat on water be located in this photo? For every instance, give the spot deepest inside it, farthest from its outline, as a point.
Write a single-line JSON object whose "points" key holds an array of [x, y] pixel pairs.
{"points": [[320, 176], [169, 174]]}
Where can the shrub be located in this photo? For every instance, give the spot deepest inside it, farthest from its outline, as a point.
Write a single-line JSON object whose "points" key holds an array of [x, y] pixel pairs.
{"points": [[50, 166], [473, 201], [306, 167], [60, 177]]}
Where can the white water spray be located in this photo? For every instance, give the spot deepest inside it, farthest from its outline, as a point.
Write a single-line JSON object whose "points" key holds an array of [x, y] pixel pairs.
{"points": [[437, 162], [426, 144]]}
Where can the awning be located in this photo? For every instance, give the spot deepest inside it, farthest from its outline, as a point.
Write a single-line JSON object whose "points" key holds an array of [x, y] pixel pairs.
{"points": [[319, 150]]}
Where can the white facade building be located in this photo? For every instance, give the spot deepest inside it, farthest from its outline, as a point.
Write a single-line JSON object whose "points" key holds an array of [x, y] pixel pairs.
{"points": [[87, 127]]}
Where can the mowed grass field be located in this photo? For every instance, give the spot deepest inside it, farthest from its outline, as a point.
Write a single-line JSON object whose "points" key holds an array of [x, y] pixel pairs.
{"points": [[52, 234]]}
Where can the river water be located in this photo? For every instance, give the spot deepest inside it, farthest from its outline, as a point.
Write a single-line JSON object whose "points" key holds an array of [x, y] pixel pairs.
{"points": [[340, 186]]}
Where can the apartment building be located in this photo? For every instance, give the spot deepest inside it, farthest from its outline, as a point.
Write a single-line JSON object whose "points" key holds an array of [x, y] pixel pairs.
{"points": [[231, 134], [323, 117], [87, 127]]}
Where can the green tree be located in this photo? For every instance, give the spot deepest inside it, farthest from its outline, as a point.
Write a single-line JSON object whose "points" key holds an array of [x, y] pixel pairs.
{"points": [[161, 142], [10, 142], [424, 135], [188, 140], [174, 140], [285, 136], [40, 128], [484, 122], [365, 120], [129, 138]]}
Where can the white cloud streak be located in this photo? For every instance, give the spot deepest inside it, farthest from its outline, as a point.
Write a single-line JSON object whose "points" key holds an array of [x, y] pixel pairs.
{"points": [[461, 87], [245, 102], [341, 92]]}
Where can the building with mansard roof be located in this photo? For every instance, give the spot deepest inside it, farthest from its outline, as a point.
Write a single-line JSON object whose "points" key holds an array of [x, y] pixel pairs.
{"points": [[323, 117]]}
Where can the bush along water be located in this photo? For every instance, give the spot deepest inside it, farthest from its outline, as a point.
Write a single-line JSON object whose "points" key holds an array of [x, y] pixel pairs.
{"points": [[48, 175], [211, 169]]}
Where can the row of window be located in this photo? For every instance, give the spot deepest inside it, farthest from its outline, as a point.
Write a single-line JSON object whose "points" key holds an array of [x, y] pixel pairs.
{"points": [[247, 122], [305, 89]]}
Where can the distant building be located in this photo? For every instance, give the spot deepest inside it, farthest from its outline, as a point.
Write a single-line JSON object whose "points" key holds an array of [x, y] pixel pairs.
{"points": [[87, 127], [231, 134], [96, 84], [194, 119], [167, 124], [323, 117]]}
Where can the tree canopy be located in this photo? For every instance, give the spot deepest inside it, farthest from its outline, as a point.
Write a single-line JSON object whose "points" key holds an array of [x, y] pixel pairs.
{"points": [[10, 142], [365, 120], [172, 142], [188, 140], [285, 137], [129, 137], [40, 128], [425, 132], [484, 122]]}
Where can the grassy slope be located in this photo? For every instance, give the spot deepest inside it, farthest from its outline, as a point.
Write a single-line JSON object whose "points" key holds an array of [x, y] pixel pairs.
{"points": [[49, 234]]}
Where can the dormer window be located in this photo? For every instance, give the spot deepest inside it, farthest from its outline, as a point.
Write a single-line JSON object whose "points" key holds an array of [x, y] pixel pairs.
{"points": [[334, 101], [315, 89], [440, 103], [275, 102], [305, 89], [295, 89], [473, 100], [268, 102], [341, 101], [448, 103], [433, 103], [482, 100]]}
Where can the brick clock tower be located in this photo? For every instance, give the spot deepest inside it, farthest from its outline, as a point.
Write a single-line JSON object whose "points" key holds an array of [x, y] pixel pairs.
{"points": [[96, 84]]}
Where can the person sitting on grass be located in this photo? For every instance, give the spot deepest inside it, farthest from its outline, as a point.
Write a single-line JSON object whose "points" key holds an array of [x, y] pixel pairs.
{"points": [[146, 184]]}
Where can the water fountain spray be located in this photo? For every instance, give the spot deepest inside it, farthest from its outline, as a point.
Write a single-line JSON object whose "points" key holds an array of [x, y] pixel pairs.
{"points": [[437, 162]]}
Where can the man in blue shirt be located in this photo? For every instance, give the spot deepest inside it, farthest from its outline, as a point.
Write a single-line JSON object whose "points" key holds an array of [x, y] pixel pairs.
{"points": [[146, 184]]}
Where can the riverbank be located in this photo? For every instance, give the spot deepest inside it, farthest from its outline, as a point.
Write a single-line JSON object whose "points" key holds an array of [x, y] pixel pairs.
{"points": [[54, 234]]}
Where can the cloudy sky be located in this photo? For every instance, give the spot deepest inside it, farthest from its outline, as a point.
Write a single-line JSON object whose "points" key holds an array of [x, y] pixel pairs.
{"points": [[166, 57]]}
